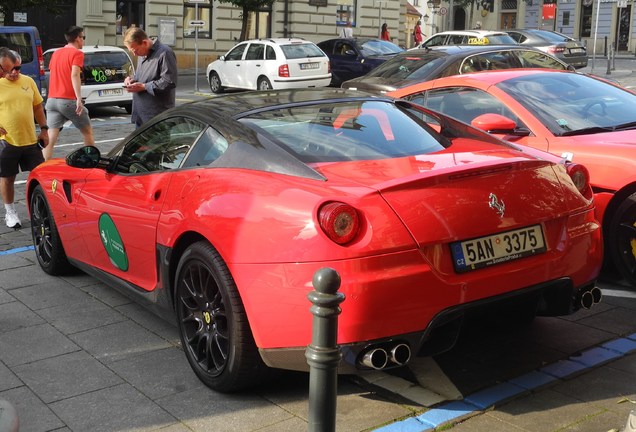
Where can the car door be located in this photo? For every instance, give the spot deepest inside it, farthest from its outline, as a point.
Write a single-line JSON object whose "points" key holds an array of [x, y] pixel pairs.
{"points": [[346, 62], [253, 65], [231, 70], [118, 209]]}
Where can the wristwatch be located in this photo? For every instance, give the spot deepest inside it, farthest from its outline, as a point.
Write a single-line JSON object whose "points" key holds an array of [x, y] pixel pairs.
{"points": [[45, 127]]}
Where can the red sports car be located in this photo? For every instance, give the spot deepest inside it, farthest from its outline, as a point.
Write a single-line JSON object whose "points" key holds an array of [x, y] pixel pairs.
{"points": [[221, 211], [579, 117]]}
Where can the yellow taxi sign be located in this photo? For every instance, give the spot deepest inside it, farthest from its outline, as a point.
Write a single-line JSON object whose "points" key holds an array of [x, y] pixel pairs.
{"points": [[478, 41]]}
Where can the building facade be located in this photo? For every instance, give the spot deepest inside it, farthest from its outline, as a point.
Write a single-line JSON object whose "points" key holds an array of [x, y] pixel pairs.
{"points": [[209, 28]]}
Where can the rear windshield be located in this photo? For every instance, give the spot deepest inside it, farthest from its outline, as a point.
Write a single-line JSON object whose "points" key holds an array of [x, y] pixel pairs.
{"points": [[304, 50], [352, 130], [379, 47], [19, 42], [407, 67], [553, 36], [106, 67], [499, 39]]}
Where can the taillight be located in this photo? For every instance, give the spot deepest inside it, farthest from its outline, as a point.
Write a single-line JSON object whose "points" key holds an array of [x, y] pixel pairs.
{"points": [[329, 66], [555, 49], [40, 59], [581, 178], [339, 221], [283, 71]]}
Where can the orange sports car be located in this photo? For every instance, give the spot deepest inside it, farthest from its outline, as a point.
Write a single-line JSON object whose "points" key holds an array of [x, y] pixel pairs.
{"points": [[581, 118]]}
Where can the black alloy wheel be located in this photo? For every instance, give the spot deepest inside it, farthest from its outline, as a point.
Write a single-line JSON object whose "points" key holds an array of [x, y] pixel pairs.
{"points": [[213, 326], [46, 240], [622, 239]]}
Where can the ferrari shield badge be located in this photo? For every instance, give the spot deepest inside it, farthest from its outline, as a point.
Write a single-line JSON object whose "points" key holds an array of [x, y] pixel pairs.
{"points": [[112, 242]]}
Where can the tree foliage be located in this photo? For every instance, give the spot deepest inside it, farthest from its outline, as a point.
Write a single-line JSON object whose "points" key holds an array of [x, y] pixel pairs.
{"points": [[247, 6], [8, 7]]}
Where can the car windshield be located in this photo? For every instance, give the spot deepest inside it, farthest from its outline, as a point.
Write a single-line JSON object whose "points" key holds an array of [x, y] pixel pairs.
{"points": [[352, 130], [552, 36], [407, 67], [301, 50], [373, 47], [571, 104]]}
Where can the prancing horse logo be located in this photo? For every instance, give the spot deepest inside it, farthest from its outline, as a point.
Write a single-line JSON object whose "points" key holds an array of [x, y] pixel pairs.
{"points": [[496, 205]]}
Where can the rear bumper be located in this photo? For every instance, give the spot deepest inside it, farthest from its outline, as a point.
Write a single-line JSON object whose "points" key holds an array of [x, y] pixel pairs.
{"points": [[553, 298]]}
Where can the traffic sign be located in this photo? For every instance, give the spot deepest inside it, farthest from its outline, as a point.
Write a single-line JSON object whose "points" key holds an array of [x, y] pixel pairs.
{"points": [[196, 23]]}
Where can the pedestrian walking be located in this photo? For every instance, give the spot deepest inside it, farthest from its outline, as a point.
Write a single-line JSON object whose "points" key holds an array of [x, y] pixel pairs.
{"points": [[346, 31], [65, 95], [155, 80], [384, 33], [417, 33], [20, 103]]}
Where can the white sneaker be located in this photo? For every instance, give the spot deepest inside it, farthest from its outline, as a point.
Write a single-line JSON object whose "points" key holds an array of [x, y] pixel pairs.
{"points": [[12, 220]]}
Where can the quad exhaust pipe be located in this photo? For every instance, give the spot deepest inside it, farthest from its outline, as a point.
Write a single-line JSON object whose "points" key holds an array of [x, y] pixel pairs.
{"points": [[590, 297], [379, 358]]}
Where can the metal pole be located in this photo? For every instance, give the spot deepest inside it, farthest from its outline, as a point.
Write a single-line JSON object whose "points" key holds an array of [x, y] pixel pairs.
{"points": [[196, 49], [598, 10], [323, 355]]}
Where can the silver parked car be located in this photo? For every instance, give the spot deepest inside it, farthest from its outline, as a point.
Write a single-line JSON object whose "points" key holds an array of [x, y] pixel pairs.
{"points": [[569, 50]]}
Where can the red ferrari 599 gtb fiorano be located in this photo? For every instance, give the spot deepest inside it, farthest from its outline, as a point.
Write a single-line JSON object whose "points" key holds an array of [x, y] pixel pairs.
{"points": [[221, 211]]}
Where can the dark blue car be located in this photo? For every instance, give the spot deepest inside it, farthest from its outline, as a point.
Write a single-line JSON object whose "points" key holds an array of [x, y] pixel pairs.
{"points": [[351, 58]]}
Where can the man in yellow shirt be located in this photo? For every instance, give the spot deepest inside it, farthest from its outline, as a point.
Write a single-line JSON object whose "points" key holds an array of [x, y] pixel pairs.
{"points": [[20, 102]]}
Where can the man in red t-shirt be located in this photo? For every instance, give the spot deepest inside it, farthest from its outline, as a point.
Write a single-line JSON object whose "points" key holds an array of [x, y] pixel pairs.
{"points": [[65, 95]]}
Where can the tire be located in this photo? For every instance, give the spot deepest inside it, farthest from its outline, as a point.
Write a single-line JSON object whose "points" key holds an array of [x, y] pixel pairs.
{"points": [[213, 326], [46, 240], [215, 83], [263, 84], [621, 243]]}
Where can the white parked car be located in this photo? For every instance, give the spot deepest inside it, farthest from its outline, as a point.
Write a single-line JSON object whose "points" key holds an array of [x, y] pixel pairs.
{"points": [[105, 68], [263, 64]]}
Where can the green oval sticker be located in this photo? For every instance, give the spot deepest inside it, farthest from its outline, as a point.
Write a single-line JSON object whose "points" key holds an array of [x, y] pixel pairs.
{"points": [[112, 242]]}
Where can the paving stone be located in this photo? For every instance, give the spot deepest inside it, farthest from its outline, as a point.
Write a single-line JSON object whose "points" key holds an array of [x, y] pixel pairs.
{"points": [[165, 327], [118, 408], [66, 376], [33, 343], [78, 317], [14, 260], [8, 379], [206, 410], [106, 294], [14, 278], [14, 315], [618, 321], [5, 297], [118, 341], [170, 364], [54, 293], [34, 415]]}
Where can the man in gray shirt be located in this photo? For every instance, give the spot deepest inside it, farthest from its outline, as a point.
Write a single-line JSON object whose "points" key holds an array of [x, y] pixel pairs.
{"points": [[155, 80]]}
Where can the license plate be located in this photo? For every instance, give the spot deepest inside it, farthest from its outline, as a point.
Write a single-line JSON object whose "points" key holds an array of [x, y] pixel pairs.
{"points": [[111, 92], [305, 66], [498, 248], [577, 50]]}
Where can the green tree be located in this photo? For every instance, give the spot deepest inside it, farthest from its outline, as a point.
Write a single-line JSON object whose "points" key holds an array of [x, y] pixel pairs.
{"points": [[247, 6], [8, 7]]}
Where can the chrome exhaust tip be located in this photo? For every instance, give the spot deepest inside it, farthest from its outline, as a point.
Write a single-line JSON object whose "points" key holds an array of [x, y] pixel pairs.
{"points": [[400, 354], [597, 294], [376, 358], [587, 300]]}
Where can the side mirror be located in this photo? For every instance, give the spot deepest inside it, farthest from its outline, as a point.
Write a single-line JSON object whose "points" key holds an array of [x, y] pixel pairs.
{"points": [[85, 157], [222, 58], [494, 123]]}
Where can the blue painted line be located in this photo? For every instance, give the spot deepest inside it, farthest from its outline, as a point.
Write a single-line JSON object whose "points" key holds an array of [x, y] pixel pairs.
{"points": [[484, 399], [17, 250]]}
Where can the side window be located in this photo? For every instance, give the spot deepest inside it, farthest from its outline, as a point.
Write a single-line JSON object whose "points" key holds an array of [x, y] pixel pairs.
{"points": [[255, 52], [161, 147], [500, 60], [465, 104], [236, 53], [342, 48], [457, 40], [270, 54], [209, 148], [534, 59]]}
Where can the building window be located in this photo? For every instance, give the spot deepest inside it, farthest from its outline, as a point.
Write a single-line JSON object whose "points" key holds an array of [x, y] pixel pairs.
{"points": [[346, 13], [130, 13], [586, 20], [260, 23], [204, 16]]}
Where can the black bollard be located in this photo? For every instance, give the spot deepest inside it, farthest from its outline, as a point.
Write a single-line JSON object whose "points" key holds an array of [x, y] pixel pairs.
{"points": [[323, 355]]}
